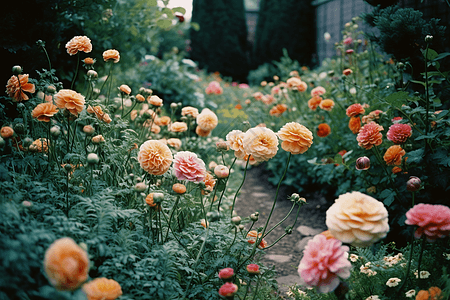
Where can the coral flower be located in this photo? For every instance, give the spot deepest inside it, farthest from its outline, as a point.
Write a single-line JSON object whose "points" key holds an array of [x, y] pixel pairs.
{"points": [[318, 91], [187, 166], [89, 61], [347, 72], [70, 100], [354, 110], [214, 88], [327, 104], [174, 142], [234, 140], [207, 120], [314, 102], [228, 290], [258, 96], [399, 133], [178, 127], [253, 269], [357, 219], [293, 82], [261, 143], [44, 111], [125, 89], [66, 264], [324, 262], [150, 201], [98, 139], [200, 132], [210, 182], [163, 121], [226, 274], [253, 235], [111, 55], [302, 87], [7, 132], [278, 110], [323, 130], [140, 98], [16, 90], [354, 124], [394, 155], [97, 110], [433, 293], [296, 138], [433, 220], [369, 135], [189, 111], [79, 43], [102, 289], [155, 100], [154, 157]]}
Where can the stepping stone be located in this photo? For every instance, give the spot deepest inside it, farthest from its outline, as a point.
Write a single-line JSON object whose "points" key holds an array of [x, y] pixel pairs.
{"points": [[284, 282], [279, 258], [258, 194], [302, 243], [308, 231]]}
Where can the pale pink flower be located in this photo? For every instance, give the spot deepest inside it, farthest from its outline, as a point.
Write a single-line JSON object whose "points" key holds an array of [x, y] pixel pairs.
{"points": [[433, 220], [318, 91], [399, 133], [324, 262], [187, 166], [348, 41], [214, 88]]}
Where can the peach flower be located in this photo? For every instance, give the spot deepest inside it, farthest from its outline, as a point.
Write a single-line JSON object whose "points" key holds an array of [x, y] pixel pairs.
{"points": [[174, 142], [357, 219], [155, 157], [324, 262], [399, 133], [354, 124], [97, 110], [354, 110], [163, 121], [187, 166], [200, 132], [16, 90], [179, 188], [155, 129], [258, 96], [140, 98], [70, 100], [327, 104], [323, 130], [125, 89], [234, 140], [302, 87], [318, 91], [293, 82], [210, 182], [7, 132], [178, 127], [44, 111], [155, 101], [267, 99], [189, 111], [207, 120], [102, 289], [111, 55], [261, 143], [150, 201], [98, 139], [396, 170], [314, 102], [253, 235], [369, 135], [278, 110], [79, 43], [66, 264], [296, 138], [394, 155], [39, 145], [433, 220]]}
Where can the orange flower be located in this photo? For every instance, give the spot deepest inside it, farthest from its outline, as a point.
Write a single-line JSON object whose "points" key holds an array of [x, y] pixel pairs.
{"points": [[79, 43], [39, 145], [210, 182], [393, 155], [155, 100], [70, 100], [354, 110], [200, 132], [433, 293], [44, 111], [238, 106], [369, 135], [189, 111], [66, 264], [261, 143], [278, 110], [354, 124], [7, 132], [296, 138], [155, 129], [174, 142], [125, 89], [207, 120], [111, 54], [16, 90], [327, 234], [102, 289], [151, 202], [396, 170], [253, 235], [179, 188], [98, 139], [89, 61], [314, 102], [97, 110], [155, 157], [140, 98], [323, 130], [163, 121], [178, 127], [327, 104]]}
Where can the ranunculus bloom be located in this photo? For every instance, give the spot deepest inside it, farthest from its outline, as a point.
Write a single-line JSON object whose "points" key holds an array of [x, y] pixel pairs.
{"points": [[89, 61], [369, 135], [44, 111], [163, 121], [221, 171], [70, 100], [433, 293], [293, 82], [228, 289], [226, 273], [189, 111], [39, 145], [66, 264], [179, 188], [302, 87], [125, 89], [354, 124], [155, 129], [252, 235], [140, 98], [296, 138], [150, 201], [102, 289], [79, 43], [187, 166], [174, 142], [326, 104], [314, 102], [323, 130], [178, 127], [258, 95], [355, 110], [253, 269], [200, 132], [357, 219], [16, 90], [278, 110], [155, 157], [394, 155], [98, 139], [348, 41], [433, 220], [214, 88], [111, 54], [234, 141], [324, 262], [97, 110], [7, 132], [399, 133], [318, 91], [155, 100], [261, 143], [209, 182], [207, 120]]}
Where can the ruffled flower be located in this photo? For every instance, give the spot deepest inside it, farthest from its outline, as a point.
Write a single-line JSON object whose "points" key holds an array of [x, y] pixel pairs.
{"points": [[323, 130], [433, 220], [354, 124], [278, 110], [399, 133], [155, 157], [187, 166], [174, 142], [253, 235], [16, 90], [207, 120], [70, 100], [102, 289], [111, 55], [155, 100], [44, 111], [261, 143], [234, 140], [178, 127], [79, 43], [296, 138], [200, 132], [189, 111], [97, 110], [39, 145], [326, 104], [355, 110], [214, 88], [314, 102], [394, 155], [318, 91], [369, 135]]}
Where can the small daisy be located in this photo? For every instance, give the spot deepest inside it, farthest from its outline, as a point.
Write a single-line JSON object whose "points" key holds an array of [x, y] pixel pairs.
{"points": [[410, 293], [423, 274], [393, 282], [353, 257], [446, 255]]}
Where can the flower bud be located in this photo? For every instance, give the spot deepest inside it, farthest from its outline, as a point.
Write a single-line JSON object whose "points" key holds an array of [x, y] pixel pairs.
{"points": [[27, 203], [17, 70], [400, 66], [158, 197], [288, 230], [88, 129], [93, 158], [363, 163], [428, 39], [55, 131], [221, 171], [19, 128], [51, 89], [254, 217], [27, 142], [68, 167], [236, 220], [92, 74], [140, 187], [241, 227], [222, 146], [173, 105], [212, 165], [413, 184]]}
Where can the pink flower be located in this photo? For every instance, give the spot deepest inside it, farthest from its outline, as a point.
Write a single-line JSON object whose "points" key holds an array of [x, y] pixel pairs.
{"points": [[228, 290], [399, 133], [226, 274], [433, 220], [396, 119], [369, 135], [324, 262], [318, 91], [253, 269], [187, 166], [214, 88], [243, 86], [348, 41]]}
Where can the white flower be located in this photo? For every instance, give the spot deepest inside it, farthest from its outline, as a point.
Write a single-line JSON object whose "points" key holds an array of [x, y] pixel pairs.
{"points": [[446, 255], [423, 274], [393, 282], [352, 90], [353, 257], [327, 36], [410, 293], [373, 297]]}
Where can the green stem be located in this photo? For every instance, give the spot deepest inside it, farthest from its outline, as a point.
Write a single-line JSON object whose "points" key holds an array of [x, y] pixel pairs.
{"points": [[76, 71], [279, 223], [427, 123], [256, 289], [237, 192], [171, 215], [225, 187], [176, 238], [422, 247]]}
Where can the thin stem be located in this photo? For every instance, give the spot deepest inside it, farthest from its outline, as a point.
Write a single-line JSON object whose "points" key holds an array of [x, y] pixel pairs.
{"points": [[225, 187], [427, 123], [76, 71], [171, 215], [422, 247], [256, 289], [284, 219], [242, 183]]}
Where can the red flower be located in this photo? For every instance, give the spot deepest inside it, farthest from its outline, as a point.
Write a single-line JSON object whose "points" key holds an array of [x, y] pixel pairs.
{"points": [[226, 274], [228, 290], [253, 269], [355, 110], [399, 133]]}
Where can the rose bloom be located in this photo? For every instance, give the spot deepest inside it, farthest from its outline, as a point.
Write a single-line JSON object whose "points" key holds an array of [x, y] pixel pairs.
{"points": [[394, 155], [399, 133], [228, 289], [155, 100], [323, 130], [125, 89], [296, 138], [314, 102], [261, 143], [79, 43], [234, 140], [207, 120], [433, 220], [97, 110], [44, 111], [278, 110], [70, 100], [174, 142], [318, 91], [354, 124], [178, 127], [355, 110], [16, 90], [324, 262], [187, 166], [214, 88], [347, 72], [66, 264], [155, 157], [39, 145], [163, 121], [102, 289], [327, 104], [200, 132], [369, 135], [111, 55], [7, 132], [433, 293], [189, 111], [357, 219], [253, 235]]}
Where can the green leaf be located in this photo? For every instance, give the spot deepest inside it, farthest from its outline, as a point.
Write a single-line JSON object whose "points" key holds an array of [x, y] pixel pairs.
{"points": [[152, 2], [195, 26], [415, 156], [388, 196], [168, 12], [441, 56], [179, 9], [430, 55], [164, 23], [397, 99], [429, 136], [418, 82], [338, 159]]}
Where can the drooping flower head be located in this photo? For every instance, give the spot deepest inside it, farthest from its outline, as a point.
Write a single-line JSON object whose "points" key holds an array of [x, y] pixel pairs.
{"points": [[296, 138], [16, 90], [187, 166], [433, 220], [70, 100], [207, 120], [79, 43], [369, 135], [261, 143], [394, 155], [399, 133], [354, 110], [155, 157], [44, 111], [102, 289]]}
